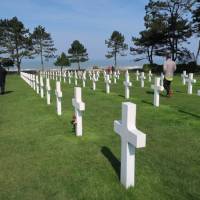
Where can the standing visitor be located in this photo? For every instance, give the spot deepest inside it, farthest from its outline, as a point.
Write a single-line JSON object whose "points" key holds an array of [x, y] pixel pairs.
{"points": [[169, 69]]}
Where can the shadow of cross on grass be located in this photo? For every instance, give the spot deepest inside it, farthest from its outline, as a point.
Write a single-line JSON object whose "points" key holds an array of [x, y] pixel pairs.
{"points": [[188, 113], [112, 159]]}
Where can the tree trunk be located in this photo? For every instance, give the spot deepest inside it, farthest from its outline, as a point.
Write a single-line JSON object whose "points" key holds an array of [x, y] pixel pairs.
{"points": [[79, 67], [150, 56], [18, 66], [198, 52], [115, 60], [41, 57], [18, 60]]}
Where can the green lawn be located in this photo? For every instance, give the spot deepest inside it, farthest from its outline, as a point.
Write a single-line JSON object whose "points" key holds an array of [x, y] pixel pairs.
{"points": [[40, 157]]}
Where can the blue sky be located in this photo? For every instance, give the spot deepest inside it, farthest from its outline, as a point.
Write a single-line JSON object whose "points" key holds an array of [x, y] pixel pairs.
{"points": [[89, 21]]}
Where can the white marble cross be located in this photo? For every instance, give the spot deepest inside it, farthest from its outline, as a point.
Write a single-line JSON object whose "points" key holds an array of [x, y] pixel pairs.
{"points": [[137, 75], [48, 91], [115, 77], [184, 77], [79, 107], [142, 78], [97, 75], [41, 87], [75, 78], [150, 75], [84, 78], [108, 82], [162, 79], [31, 80], [118, 74], [157, 88], [56, 75], [190, 81], [131, 138], [64, 76], [34, 82], [90, 75], [127, 84], [104, 74], [37, 85], [58, 93], [69, 77], [94, 80]]}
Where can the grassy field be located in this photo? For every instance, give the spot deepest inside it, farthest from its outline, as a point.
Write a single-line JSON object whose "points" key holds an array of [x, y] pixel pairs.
{"points": [[40, 157]]}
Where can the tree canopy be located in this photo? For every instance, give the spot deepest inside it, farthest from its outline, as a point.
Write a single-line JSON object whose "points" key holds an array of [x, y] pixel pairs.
{"points": [[62, 61], [167, 29], [43, 44], [15, 40], [116, 45], [77, 53]]}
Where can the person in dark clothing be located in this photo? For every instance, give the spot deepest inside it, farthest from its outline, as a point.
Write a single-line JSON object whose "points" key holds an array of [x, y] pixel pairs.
{"points": [[3, 73]]}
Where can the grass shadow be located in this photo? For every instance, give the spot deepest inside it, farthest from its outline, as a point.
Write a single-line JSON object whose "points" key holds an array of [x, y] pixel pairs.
{"points": [[178, 91], [146, 102], [120, 95], [188, 113], [150, 92], [7, 92], [112, 159]]}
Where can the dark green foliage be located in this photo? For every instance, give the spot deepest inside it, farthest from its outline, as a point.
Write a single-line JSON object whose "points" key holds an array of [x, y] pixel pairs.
{"points": [[116, 44], [43, 44], [15, 40], [196, 17], [189, 67], [167, 28], [6, 62], [196, 21], [77, 53], [150, 42], [177, 25], [62, 61]]}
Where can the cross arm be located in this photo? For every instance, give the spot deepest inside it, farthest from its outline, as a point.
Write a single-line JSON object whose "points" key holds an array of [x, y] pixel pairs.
{"points": [[48, 88], [128, 84], [78, 105], [58, 94], [118, 127], [137, 138]]}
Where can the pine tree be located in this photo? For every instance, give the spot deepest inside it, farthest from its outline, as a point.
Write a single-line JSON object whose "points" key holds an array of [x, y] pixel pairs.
{"points": [[15, 41], [116, 44], [62, 61], [196, 23], [43, 44], [77, 53], [174, 14]]}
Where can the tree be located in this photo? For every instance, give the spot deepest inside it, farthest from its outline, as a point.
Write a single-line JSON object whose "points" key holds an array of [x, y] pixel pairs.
{"points": [[62, 61], [77, 53], [149, 41], [15, 40], [174, 14], [116, 44], [6, 62], [196, 21], [43, 44]]}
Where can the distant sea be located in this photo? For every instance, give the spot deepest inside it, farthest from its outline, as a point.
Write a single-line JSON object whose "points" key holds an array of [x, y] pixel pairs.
{"points": [[35, 64]]}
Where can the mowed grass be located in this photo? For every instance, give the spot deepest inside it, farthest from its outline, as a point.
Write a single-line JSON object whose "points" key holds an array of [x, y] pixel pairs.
{"points": [[41, 158]]}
